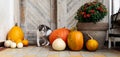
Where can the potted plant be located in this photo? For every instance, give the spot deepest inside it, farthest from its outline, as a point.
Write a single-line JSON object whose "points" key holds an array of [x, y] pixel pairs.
{"points": [[88, 15], [91, 12]]}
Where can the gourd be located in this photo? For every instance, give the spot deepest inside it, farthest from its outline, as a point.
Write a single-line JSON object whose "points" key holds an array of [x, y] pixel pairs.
{"points": [[61, 32], [18, 41], [15, 34], [58, 44], [25, 42], [75, 40], [13, 45], [92, 44], [7, 43], [20, 45]]}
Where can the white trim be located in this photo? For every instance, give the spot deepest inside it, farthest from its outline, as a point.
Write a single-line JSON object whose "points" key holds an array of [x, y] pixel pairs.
{"points": [[6, 18]]}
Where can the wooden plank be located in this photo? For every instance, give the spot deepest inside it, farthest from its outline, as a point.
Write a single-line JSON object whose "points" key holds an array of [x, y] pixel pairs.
{"points": [[53, 14], [61, 13], [17, 11], [71, 12], [92, 26], [39, 13]]}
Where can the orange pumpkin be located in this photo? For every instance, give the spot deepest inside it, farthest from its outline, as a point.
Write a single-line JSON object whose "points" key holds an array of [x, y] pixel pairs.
{"points": [[15, 34], [75, 40], [25, 42], [61, 32]]}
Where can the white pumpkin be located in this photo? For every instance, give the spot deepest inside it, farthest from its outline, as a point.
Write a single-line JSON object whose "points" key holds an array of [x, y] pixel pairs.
{"points": [[7, 43], [19, 45], [13, 45], [58, 44]]}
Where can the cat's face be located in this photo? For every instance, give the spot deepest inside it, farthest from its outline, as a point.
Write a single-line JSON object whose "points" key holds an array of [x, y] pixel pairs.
{"points": [[43, 30]]}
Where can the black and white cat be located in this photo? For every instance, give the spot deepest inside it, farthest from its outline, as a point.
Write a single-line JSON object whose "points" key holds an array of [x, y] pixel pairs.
{"points": [[43, 33]]}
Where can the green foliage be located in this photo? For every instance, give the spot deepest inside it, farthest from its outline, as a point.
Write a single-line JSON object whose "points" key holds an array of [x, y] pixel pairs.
{"points": [[91, 12]]}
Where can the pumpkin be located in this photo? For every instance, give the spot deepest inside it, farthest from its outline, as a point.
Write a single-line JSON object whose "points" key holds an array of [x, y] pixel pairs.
{"points": [[13, 45], [75, 40], [61, 32], [20, 45], [58, 44], [15, 34], [92, 44], [25, 42], [18, 41], [7, 43]]}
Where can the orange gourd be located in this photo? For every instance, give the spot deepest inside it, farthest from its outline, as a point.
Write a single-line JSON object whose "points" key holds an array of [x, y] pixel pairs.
{"points": [[61, 32], [75, 40], [25, 42], [15, 34], [92, 44]]}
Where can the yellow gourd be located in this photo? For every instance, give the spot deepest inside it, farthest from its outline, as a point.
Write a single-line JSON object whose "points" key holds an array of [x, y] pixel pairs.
{"points": [[15, 34], [92, 44]]}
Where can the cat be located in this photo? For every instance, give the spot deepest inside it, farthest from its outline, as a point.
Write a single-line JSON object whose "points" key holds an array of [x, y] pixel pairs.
{"points": [[43, 33]]}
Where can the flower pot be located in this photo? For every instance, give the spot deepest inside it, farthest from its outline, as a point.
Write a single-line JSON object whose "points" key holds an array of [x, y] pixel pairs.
{"points": [[97, 31], [92, 26]]}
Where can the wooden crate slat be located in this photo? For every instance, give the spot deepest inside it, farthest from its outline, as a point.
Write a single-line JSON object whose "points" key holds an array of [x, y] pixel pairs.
{"points": [[61, 13], [92, 26], [38, 12]]}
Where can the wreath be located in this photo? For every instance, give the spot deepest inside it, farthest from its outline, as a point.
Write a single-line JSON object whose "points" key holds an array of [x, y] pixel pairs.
{"points": [[91, 12]]}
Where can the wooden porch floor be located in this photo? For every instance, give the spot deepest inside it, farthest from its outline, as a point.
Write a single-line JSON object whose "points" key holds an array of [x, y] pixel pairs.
{"points": [[33, 51]]}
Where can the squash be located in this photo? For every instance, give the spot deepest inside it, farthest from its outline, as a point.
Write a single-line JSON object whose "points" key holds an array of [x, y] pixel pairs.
{"points": [[58, 44], [61, 32], [15, 34], [13, 45], [18, 41], [75, 40], [20, 45], [92, 44], [25, 42], [7, 43]]}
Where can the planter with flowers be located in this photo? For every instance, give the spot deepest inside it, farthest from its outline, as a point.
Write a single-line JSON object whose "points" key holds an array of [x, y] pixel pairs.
{"points": [[88, 16], [91, 12]]}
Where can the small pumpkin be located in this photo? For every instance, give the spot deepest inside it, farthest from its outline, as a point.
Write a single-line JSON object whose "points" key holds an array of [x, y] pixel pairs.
{"points": [[75, 40], [92, 44], [61, 32], [15, 33], [25, 42], [58, 44], [13, 45], [20, 45], [7, 43]]}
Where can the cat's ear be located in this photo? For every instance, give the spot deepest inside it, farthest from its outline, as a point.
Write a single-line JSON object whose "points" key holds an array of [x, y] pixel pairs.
{"points": [[40, 27]]}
